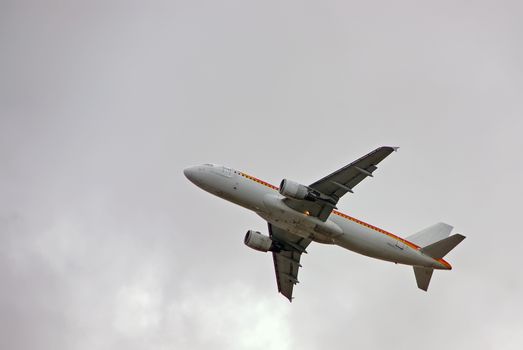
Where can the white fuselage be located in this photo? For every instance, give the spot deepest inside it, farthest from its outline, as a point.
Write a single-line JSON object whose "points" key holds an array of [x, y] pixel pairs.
{"points": [[339, 229]]}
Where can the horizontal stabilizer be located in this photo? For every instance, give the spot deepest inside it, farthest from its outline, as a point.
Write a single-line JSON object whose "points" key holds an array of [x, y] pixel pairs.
{"points": [[423, 275], [439, 249], [431, 234]]}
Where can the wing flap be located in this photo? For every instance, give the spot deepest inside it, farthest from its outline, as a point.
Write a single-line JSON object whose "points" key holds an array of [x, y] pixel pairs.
{"points": [[287, 260], [332, 187], [351, 175]]}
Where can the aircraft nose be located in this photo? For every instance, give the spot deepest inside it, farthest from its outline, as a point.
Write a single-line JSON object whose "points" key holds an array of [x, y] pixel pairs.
{"points": [[190, 173]]}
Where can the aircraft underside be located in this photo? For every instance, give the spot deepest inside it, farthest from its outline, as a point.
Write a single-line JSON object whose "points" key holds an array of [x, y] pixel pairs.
{"points": [[298, 215]]}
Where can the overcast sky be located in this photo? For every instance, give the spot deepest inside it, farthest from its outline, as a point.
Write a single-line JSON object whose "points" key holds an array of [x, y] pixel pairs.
{"points": [[104, 244]]}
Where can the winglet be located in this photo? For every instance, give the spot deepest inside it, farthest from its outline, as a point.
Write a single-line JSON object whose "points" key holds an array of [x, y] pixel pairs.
{"points": [[395, 148]]}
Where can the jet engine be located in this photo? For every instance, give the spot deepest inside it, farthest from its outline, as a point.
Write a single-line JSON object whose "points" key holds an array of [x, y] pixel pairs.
{"points": [[294, 190], [258, 241]]}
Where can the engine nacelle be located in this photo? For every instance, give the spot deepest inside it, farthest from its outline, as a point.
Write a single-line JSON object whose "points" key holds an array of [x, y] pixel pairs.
{"points": [[258, 241], [294, 190]]}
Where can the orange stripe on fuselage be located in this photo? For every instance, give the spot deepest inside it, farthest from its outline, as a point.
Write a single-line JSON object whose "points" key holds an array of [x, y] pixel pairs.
{"points": [[404, 241], [258, 181], [348, 217]]}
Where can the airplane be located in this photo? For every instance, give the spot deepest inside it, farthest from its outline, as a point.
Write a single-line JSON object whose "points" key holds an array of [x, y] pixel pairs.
{"points": [[298, 215]]}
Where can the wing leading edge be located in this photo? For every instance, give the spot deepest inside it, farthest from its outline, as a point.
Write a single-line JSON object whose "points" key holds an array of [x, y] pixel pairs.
{"points": [[332, 187], [287, 259]]}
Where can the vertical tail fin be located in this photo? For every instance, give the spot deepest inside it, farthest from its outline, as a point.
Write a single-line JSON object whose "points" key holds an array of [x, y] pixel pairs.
{"points": [[437, 251], [423, 275]]}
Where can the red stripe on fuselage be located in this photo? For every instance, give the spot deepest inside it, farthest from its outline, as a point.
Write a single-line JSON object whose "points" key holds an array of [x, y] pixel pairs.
{"points": [[348, 217]]}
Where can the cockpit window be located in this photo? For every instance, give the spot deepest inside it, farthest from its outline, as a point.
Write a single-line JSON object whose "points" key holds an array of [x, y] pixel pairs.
{"points": [[222, 170], [227, 171], [209, 164]]}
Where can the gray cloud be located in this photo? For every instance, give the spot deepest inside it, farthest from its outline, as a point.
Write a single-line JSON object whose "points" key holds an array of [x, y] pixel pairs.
{"points": [[104, 243]]}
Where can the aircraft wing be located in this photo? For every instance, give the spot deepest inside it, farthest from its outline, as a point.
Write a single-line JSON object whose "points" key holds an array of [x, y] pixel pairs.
{"points": [[332, 187], [287, 260]]}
